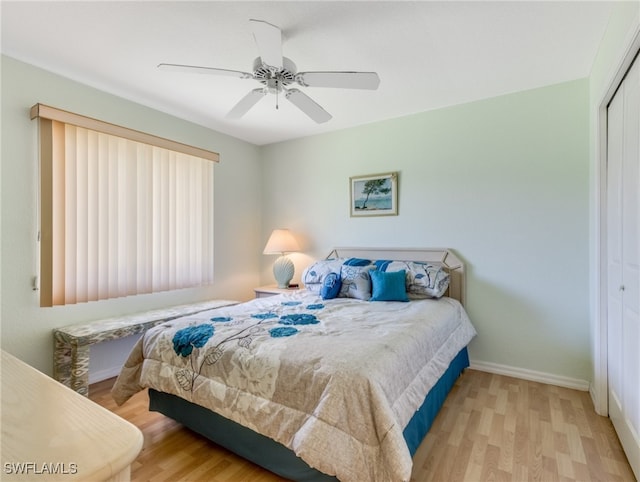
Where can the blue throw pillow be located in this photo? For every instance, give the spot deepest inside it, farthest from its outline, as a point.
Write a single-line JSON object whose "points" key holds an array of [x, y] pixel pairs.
{"points": [[388, 286], [330, 286]]}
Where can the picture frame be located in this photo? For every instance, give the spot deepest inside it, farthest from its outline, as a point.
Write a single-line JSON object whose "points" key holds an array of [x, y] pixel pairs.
{"points": [[374, 195]]}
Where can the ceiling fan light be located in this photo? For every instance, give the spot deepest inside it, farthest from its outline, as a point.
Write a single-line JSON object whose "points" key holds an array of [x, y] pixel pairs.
{"points": [[276, 73], [273, 86]]}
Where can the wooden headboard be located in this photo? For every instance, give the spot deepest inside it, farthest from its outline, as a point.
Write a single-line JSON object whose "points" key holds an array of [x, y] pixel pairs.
{"points": [[438, 256]]}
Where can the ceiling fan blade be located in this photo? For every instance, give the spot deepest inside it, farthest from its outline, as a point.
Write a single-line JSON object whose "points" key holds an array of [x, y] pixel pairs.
{"points": [[246, 103], [345, 80], [194, 69], [307, 105], [269, 41]]}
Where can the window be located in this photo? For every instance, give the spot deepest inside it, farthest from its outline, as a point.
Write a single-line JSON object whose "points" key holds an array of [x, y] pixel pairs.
{"points": [[121, 212]]}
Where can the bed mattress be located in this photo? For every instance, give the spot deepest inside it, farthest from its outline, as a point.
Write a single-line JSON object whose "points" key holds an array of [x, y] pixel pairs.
{"points": [[335, 381]]}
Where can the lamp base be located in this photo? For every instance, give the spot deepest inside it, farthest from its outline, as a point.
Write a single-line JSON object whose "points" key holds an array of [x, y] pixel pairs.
{"points": [[283, 270]]}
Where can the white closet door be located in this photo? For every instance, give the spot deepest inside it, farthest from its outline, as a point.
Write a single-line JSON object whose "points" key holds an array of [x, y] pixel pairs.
{"points": [[623, 217]]}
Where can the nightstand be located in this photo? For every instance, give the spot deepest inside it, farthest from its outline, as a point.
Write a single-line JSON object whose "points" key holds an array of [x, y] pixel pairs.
{"points": [[272, 290]]}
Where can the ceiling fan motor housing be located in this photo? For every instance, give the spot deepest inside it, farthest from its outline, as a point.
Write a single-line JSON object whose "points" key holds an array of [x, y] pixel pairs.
{"points": [[275, 78]]}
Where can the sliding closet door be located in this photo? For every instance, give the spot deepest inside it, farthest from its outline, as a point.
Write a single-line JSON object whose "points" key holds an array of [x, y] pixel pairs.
{"points": [[623, 241]]}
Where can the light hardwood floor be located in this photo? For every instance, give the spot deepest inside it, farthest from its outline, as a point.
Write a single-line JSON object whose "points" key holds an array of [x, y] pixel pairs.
{"points": [[491, 428]]}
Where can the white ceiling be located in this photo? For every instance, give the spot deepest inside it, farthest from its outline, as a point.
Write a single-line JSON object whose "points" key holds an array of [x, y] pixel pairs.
{"points": [[428, 54]]}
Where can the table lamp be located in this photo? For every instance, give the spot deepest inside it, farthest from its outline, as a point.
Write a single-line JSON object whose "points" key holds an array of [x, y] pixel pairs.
{"points": [[280, 242]]}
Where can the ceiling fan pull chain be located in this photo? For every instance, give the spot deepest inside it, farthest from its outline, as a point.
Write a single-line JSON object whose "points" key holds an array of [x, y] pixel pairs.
{"points": [[277, 98]]}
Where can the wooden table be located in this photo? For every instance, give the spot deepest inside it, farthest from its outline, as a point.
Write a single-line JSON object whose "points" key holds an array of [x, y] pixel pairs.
{"points": [[50, 432]]}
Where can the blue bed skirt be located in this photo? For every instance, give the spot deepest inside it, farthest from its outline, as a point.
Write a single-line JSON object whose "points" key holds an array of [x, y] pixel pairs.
{"points": [[274, 456]]}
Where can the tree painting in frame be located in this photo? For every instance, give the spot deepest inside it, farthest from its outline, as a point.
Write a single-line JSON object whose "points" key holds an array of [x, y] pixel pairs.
{"points": [[374, 195]]}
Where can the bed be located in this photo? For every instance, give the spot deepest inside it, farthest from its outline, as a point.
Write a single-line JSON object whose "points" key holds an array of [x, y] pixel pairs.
{"points": [[327, 382]]}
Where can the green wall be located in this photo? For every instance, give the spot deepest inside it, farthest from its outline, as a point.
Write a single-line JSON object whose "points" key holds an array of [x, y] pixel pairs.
{"points": [[27, 328], [503, 181], [510, 183]]}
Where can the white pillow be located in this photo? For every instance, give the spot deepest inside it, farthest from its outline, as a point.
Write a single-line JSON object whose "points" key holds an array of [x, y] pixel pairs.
{"points": [[356, 282], [423, 280], [313, 276]]}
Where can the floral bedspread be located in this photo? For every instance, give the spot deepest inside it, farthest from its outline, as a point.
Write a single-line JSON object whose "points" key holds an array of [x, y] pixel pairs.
{"points": [[336, 381]]}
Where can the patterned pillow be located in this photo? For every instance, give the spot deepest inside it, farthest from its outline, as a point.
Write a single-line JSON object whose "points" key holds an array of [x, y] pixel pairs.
{"points": [[357, 262], [331, 286], [356, 282], [423, 280], [427, 281], [313, 276]]}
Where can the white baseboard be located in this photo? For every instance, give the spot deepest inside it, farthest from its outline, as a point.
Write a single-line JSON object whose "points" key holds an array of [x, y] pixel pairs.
{"points": [[531, 375], [100, 375], [601, 409]]}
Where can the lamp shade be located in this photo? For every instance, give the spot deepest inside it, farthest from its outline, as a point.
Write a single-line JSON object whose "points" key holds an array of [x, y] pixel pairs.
{"points": [[281, 241]]}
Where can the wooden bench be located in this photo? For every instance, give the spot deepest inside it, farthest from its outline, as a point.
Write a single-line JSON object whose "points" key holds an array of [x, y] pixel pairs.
{"points": [[72, 343]]}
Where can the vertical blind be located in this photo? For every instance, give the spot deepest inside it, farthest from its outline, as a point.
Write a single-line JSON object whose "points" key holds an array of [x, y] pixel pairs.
{"points": [[120, 217]]}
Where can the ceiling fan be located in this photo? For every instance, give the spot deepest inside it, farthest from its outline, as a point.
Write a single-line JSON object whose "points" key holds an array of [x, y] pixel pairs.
{"points": [[276, 73]]}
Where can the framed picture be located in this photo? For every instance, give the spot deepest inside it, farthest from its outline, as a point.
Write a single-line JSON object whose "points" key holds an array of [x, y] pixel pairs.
{"points": [[374, 195]]}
